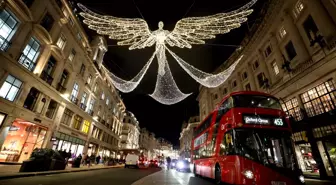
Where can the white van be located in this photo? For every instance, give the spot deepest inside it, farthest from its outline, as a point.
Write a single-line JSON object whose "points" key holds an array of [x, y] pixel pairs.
{"points": [[131, 160]]}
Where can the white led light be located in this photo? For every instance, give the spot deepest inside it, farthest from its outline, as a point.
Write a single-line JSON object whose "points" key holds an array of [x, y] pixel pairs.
{"points": [[302, 179], [248, 174], [193, 30]]}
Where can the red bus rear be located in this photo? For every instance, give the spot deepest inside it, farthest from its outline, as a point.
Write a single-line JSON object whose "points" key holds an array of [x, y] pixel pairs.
{"points": [[246, 140]]}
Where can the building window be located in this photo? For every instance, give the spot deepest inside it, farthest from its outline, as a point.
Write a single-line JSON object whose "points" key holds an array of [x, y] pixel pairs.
{"points": [[67, 116], [79, 36], [59, 3], [74, 93], [51, 109], [244, 75], [215, 96], [72, 55], [234, 84], [275, 68], [91, 105], [89, 80], [82, 70], [310, 28], [319, 99], [248, 87], [103, 95], [47, 22], [255, 65], [30, 54], [63, 81], [291, 53], [299, 6], [107, 101], [86, 126], [261, 79], [77, 122], [291, 107], [61, 42], [83, 101], [8, 25], [28, 2], [48, 70], [95, 87], [71, 22], [10, 88], [268, 51], [31, 99], [224, 91], [282, 32]]}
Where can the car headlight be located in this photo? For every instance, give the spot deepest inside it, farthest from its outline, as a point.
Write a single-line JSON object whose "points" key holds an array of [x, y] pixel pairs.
{"points": [[180, 165], [302, 179], [248, 174]]}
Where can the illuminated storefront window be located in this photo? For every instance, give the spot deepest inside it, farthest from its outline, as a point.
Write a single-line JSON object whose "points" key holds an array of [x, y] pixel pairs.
{"points": [[306, 160], [291, 107], [86, 126], [22, 138], [68, 143], [320, 99]]}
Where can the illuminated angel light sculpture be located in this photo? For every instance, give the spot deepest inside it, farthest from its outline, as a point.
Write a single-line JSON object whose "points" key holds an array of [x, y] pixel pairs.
{"points": [[188, 31]]}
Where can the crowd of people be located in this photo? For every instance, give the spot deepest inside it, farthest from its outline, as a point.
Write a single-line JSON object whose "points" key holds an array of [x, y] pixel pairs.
{"points": [[87, 160]]}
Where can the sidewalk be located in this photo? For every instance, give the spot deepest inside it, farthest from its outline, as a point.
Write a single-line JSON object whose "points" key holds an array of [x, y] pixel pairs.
{"points": [[171, 177], [12, 171]]}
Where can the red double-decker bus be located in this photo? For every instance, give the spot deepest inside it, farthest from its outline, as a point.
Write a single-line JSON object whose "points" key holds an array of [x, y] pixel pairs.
{"points": [[246, 140]]}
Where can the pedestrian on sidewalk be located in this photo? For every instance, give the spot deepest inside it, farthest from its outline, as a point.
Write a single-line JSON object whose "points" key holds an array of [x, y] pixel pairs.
{"points": [[168, 162], [98, 159], [88, 160]]}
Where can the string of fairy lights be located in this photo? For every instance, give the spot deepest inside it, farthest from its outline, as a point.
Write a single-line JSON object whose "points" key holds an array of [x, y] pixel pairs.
{"points": [[135, 33]]}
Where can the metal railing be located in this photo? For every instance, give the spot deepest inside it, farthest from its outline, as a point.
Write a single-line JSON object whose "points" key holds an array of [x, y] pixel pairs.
{"points": [[60, 88], [26, 62], [4, 44], [46, 77], [73, 99]]}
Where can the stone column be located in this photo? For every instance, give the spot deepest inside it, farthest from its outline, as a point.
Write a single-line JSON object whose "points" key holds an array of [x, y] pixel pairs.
{"points": [[54, 127], [5, 128]]}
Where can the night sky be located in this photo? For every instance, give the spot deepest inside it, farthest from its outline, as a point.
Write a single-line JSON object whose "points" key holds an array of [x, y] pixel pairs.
{"points": [[165, 121]]}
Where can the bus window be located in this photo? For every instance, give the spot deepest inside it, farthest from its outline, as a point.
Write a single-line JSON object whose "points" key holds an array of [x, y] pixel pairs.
{"points": [[226, 147], [211, 148], [226, 106]]}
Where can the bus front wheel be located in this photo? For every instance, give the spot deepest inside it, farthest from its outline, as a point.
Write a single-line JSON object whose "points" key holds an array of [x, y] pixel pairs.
{"points": [[218, 175]]}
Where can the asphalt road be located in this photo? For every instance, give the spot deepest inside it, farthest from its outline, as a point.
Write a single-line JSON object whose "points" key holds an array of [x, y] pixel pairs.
{"points": [[118, 176]]}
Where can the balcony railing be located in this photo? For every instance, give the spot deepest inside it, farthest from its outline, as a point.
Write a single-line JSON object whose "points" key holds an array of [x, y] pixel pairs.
{"points": [[74, 100], [26, 62], [90, 112], [82, 106], [4, 44], [60, 88], [46, 77]]}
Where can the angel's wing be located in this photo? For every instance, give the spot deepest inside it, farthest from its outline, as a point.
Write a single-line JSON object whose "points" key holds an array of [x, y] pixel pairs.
{"points": [[134, 32], [194, 30]]}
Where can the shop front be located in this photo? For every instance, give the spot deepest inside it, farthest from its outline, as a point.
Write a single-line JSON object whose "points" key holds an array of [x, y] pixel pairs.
{"points": [[68, 143], [93, 149], [22, 137], [315, 147]]}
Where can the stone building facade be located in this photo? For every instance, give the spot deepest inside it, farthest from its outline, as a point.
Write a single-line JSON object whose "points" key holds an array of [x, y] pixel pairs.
{"points": [[130, 132], [53, 93], [290, 53], [186, 136]]}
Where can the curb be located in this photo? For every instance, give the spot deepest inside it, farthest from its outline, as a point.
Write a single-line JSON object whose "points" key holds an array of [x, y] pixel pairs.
{"points": [[30, 174]]}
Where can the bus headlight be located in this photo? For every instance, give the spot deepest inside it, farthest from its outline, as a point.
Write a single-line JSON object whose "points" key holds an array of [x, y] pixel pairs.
{"points": [[248, 174], [302, 179]]}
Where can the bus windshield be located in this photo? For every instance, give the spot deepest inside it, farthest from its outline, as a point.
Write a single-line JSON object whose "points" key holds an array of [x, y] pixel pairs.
{"points": [[256, 101], [270, 148]]}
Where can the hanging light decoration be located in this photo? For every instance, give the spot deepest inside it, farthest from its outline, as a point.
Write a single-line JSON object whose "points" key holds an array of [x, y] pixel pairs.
{"points": [[188, 31]]}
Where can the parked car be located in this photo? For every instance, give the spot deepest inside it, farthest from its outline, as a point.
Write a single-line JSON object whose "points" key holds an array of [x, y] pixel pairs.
{"points": [[183, 166], [131, 160], [154, 163]]}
